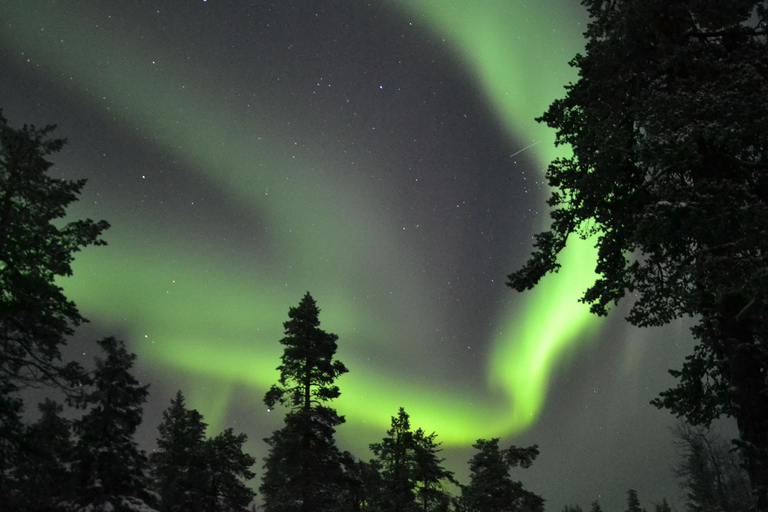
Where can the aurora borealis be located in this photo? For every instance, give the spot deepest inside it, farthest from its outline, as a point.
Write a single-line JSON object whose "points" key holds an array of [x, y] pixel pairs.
{"points": [[383, 156]]}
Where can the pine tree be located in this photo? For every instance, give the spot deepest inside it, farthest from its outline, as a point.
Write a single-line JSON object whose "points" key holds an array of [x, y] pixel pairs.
{"points": [[228, 469], [669, 175], [429, 474], [596, 507], [663, 506], [303, 470], [35, 250], [395, 455], [192, 473], [412, 475], [35, 316], [491, 489], [109, 468], [178, 465]]}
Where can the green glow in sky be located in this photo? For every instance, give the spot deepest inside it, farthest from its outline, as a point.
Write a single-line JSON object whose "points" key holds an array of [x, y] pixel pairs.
{"points": [[208, 312], [518, 52]]}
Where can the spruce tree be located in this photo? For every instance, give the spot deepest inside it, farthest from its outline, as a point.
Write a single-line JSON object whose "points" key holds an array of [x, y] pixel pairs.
{"points": [[110, 471], [228, 470], [633, 502], [303, 470], [395, 456], [412, 474], [178, 465], [491, 489]]}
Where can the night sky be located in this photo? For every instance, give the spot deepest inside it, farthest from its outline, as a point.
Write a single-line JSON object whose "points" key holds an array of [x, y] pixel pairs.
{"points": [[382, 155]]}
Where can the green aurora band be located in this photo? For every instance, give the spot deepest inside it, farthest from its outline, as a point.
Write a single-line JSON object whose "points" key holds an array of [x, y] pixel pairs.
{"points": [[156, 275]]}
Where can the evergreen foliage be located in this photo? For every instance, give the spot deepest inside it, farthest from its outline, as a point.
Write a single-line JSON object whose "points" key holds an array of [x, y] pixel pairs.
{"points": [[109, 468], [395, 455], [192, 473], [667, 123], [308, 371], [35, 316], [633, 502], [430, 475], [412, 474], [491, 489], [228, 468], [304, 469], [35, 249], [178, 464]]}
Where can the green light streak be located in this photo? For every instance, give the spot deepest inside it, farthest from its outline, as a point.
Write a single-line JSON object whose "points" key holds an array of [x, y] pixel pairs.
{"points": [[510, 48], [197, 309]]}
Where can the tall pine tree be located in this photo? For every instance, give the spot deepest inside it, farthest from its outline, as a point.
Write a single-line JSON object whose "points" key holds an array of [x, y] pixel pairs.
{"points": [[303, 470]]}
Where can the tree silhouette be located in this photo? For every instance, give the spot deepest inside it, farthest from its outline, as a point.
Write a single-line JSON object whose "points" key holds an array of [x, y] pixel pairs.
{"points": [[178, 465], [303, 470], [110, 471], [669, 176], [36, 248]]}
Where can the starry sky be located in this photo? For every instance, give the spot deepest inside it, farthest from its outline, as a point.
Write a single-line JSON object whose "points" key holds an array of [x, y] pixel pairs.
{"points": [[382, 155]]}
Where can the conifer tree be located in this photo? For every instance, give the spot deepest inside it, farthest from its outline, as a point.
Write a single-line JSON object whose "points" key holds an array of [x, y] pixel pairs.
{"points": [[663, 506], [596, 507], [633, 502], [412, 474], [303, 469], [192, 473], [178, 465], [429, 474], [491, 489], [35, 316], [228, 470], [669, 176], [395, 455], [109, 468], [36, 249]]}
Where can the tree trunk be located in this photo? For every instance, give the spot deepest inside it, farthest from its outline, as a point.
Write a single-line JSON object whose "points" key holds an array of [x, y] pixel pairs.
{"points": [[745, 370]]}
